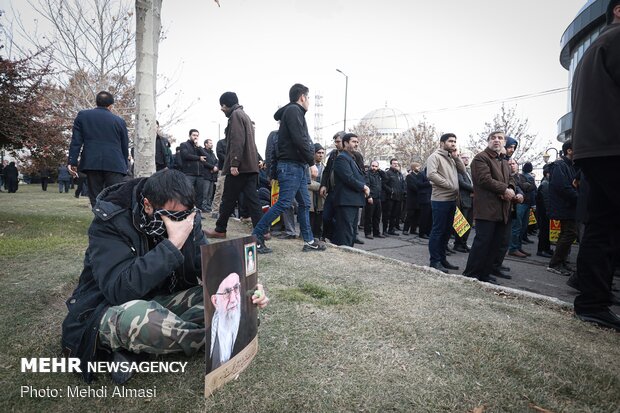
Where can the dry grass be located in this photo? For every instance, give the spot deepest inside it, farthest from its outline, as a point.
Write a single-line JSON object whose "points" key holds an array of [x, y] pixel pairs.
{"points": [[344, 332]]}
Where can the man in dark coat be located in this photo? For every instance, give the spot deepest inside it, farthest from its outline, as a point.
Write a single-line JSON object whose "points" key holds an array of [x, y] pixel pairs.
{"points": [[495, 190], [142, 262], [240, 166], [162, 151], [101, 144], [563, 207], [466, 203], [45, 174], [349, 193], [412, 200], [11, 177], [596, 105], [295, 169], [209, 174], [372, 210], [542, 217], [327, 186], [192, 159], [425, 190], [393, 189]]}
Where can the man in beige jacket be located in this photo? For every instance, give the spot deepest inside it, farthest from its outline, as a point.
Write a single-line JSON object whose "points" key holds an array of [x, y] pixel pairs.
{"points": [[442, 168]]}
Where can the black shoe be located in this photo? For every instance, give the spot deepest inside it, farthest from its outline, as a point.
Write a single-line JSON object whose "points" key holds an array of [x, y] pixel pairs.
{"points": [[504, 268], [489, 279], [423, 236], [544, 254], [439, 267], [379, 235], [460, 248], [448, 253], [573, 282], [405, 232], [605, 318], [357, 240], [261, 248], [368, 236], [392, 232], [450, 250], [287, 236], [449, 266], [501, 274], [124, 356]]}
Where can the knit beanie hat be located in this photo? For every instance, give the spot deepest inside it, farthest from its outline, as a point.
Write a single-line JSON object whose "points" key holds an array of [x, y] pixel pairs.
{"points": [[527, 167], [229, 99], [317, 147]]}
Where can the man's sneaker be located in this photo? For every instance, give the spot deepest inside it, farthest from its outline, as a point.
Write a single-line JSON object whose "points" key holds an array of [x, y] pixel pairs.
{"points": [[315, 246], [560, 270]]}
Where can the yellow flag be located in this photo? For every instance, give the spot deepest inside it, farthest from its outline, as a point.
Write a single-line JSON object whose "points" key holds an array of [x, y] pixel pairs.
{"points": [[460, 225], [275, 193]]}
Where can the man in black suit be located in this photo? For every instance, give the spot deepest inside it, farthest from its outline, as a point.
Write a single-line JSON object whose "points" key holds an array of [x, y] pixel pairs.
{"points": [[350, 191], [101, 142]]}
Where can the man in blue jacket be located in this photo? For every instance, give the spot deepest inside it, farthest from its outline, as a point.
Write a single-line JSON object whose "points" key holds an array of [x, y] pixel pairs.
{"points": [[142, 263], [350, 191], [101, 144]]}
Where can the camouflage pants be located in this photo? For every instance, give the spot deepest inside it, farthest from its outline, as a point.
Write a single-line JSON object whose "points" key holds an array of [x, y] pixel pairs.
{"points": [[166, 324]]}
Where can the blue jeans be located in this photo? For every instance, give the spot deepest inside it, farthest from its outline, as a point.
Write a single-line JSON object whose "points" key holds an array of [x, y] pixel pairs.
{"points": [[293, 179], [517, 226], [443, 219]]}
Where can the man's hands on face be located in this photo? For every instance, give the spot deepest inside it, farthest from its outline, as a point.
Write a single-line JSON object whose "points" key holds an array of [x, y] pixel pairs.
{"points": [[178, 231], [314, 171]]}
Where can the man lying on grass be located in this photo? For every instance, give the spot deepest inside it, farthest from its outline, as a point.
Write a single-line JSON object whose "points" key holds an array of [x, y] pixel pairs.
{"points": [[139, 289]]}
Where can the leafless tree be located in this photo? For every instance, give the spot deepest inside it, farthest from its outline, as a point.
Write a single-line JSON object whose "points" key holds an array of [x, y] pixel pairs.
{"points": [[416, 143], [530, 145], [372, 145]]}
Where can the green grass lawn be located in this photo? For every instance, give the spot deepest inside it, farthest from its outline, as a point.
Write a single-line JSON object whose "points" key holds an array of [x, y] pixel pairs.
{"points": [[344, 332]]}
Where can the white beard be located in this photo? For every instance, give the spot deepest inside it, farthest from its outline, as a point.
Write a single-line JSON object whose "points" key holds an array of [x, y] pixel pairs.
{"points": [[225, 327]]}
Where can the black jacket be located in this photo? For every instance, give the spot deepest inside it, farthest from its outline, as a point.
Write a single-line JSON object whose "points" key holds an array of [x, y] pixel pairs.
{"points": [[596, 98], [327, 178], [220, 150], [425, 189], [271, 155], [412, 191], [466, 188], [349, 179], [161, 152], [207, 167], [374, 180], [294, 143], [562, 193], [116, 269], [190, 154], [394, 185]]}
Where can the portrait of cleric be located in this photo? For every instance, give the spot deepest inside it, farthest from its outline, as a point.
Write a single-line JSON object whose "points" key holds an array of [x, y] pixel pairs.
{"points": [[228, 301]]}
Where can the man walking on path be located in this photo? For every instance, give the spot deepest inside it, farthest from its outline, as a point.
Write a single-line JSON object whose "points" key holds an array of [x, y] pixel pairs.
{"points": [[295, 160], [101, 144], [596, 105], [443, 167], [240, 165]]}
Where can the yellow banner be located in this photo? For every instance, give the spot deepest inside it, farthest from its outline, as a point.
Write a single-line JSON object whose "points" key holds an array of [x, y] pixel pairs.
{"points": [[275, 194], [460, 224], [554, 230]]}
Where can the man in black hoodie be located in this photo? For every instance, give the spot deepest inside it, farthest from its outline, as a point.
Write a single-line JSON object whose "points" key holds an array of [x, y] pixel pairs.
{"points": [[295, 160], [596, 104]]}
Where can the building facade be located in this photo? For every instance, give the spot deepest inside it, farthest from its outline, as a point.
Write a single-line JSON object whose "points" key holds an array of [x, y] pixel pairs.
{"points": [[577, 37]]}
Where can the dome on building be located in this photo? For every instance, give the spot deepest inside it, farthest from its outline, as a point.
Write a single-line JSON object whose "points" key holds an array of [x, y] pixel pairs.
{"points": [[389, 121]]}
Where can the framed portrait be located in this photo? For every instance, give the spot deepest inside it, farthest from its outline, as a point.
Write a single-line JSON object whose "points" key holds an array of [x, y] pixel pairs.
{"points": [[229, 277]]}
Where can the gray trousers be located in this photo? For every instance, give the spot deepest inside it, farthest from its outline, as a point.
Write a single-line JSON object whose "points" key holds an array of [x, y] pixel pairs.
{"points": [[207, 192]]}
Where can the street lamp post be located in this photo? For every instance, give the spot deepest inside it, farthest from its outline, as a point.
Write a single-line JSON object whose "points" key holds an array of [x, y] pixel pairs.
{"points": [[346, 89], [546, 156]]}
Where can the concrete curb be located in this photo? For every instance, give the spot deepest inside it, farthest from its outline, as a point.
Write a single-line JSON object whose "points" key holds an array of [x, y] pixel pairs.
{"points": [[508, 290]]}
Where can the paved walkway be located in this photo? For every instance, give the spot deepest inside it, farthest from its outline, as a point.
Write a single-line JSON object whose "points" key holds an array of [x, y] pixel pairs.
{"points": [[528, 274]]}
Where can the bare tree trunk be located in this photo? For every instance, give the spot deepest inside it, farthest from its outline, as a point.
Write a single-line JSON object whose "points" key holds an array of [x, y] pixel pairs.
{"points": [[148, 26]]}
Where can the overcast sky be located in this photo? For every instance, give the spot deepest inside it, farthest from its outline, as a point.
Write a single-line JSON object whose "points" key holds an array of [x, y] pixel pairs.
{"points": [[416, 56]]}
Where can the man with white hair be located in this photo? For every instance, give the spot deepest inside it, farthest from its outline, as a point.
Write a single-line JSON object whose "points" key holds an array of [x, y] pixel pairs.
{"points": [[225, 321]]}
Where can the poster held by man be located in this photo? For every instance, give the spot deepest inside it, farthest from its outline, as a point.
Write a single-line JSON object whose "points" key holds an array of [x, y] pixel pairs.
{"points": [[231, 319]]}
